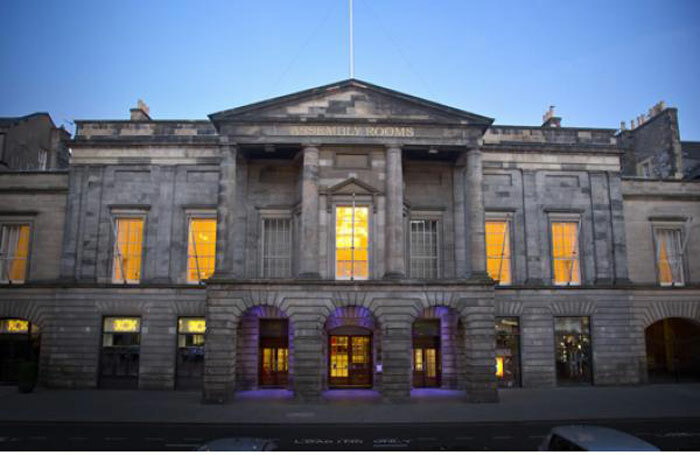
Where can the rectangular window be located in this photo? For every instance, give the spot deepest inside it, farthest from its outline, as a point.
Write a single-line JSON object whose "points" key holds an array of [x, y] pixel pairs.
{"points": [[565, 253], [119, 357], [190, 352], [352, 243], [669, 256], [508, 351], [424, 249], [572, 336], [276, 247], [127, 250], [14, 252], [43, 159], [201, 249], [498, 251]]}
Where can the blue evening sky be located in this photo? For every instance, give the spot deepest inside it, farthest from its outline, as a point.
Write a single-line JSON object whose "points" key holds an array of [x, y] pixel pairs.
{"points": [[599, 62]]}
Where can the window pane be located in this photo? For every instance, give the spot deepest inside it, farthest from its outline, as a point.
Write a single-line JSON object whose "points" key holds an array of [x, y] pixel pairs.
{"points": [[276, 247], [201, 249], [565, 257], [127, 254], [352, 242], [498, 251], [669, 256], [424, 249], [573, 349], [14, 252]]}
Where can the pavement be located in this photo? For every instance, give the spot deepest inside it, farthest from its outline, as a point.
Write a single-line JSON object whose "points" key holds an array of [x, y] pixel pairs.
{"points": [[356, 407]]}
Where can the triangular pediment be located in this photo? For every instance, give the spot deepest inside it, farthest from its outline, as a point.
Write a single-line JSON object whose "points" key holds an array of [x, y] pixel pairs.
{"points": [[350, 100], [353, 186]]}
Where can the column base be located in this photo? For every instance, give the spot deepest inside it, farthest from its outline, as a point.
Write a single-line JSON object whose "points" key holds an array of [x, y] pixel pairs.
{"points": [[480, 278], [309, 276], [394, 276]]}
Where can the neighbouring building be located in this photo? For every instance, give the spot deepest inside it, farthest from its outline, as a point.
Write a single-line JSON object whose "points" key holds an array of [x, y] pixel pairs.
{"points": [[351, 236], [32, 142]]}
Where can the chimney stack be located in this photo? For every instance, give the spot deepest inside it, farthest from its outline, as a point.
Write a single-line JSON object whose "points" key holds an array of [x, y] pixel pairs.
{"points": [[141, 112], [550, 120]]}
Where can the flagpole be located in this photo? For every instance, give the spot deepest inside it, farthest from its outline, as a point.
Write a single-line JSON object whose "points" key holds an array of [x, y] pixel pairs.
{"points": [[352, 55]]}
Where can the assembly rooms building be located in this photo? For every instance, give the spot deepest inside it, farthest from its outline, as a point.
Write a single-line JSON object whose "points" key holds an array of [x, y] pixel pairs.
{"points": [[351, 236]]}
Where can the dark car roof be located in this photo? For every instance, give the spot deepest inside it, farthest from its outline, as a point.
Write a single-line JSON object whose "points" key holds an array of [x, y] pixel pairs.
{"points": [[596, 438]]}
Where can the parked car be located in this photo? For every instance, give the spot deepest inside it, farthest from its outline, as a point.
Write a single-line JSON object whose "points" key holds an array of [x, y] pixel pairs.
{"points": [[592, 438], [238, 445]]}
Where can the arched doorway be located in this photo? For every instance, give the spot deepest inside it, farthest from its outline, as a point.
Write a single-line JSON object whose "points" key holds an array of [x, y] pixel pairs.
{"points": [[353, 348], [264, 345], [673, 350], [19, 342]]}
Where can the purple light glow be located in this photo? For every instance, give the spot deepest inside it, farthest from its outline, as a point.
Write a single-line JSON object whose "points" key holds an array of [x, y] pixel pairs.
{"points": [[265, 395]]}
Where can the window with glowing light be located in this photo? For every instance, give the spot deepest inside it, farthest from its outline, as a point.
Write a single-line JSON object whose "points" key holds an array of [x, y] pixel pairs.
{"points": [[128, 247], [669, 256], [572, 336], [498, 249], [201, 249], [352, 243], [14, 252], [508, 351], [565, 253]]}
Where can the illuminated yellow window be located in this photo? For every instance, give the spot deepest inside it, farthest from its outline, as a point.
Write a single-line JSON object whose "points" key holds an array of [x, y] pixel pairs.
{"points": [[127, 250], [499, 367], [352, 243], [201, 249], [565, 253], [498, 251], [669, 258], [14, 252], [14, 326], [418, 359], [339, 357]]}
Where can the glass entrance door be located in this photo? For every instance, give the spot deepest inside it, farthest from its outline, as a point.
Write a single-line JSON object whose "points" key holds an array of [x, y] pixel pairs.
{"points": [[426, 353], [350, 361], [274, 352]]}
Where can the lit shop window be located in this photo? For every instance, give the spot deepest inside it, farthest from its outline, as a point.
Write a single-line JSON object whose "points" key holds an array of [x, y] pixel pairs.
{"points": [[424, 249], [565, 253], [339, 356], [276, 247], [190, 352], [669, 256], [14, 252], [508, 351], [127, 250], [573, 349], [201, 249], [352, 243], [498, 251], [119, 358]]}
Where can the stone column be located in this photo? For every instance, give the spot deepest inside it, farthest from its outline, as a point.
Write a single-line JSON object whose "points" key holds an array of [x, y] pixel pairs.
{"points": [[395, 246], [308, 358], [396, 361], [475, 217], [459, 192], [617, 224], [219, 381], [479, 365], [225, 209], [308, 265]]}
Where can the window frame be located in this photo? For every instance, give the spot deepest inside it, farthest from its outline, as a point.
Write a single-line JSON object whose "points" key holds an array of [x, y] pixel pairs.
{"points": [[19, 221], [680, 227], [566, 217], [590, 342], [361, 201], [190, 215], [508, 218], [426, 215], [115, 215], [278, 214]]}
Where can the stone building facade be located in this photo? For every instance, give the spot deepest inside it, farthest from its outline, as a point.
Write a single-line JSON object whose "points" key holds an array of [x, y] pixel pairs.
{"points": [[434, 203]]}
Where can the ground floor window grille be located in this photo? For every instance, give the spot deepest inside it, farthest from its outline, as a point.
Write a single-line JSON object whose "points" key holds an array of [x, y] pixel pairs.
{"points": [[498, 251], [424, 249], [669, 256], [508, 351], [276, 247], [119, 359], [573, 350], [14, 252]]}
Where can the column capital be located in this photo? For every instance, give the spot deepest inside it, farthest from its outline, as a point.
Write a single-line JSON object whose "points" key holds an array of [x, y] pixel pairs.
{"points": [[393, 147], [309, 146]]}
